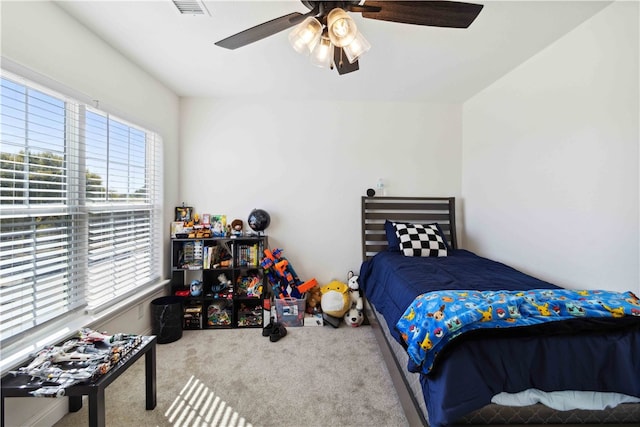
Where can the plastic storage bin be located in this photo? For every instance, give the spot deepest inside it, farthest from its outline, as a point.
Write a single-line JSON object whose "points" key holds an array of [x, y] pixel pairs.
{"points": [[290, 311], [167, 319]]}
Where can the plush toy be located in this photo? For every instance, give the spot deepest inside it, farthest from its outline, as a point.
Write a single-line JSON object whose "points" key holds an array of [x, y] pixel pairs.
{"points": [[335, 299], [354, 290], [314, 296], [236, 227], [354, 316]]}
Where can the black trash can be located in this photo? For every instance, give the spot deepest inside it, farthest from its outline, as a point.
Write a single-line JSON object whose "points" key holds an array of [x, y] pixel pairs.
{"points": [[167, 319]]}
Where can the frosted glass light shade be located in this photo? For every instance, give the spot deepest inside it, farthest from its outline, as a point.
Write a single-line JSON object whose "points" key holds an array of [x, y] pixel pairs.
{"points": [[342, 28], [322, 53], [356, 48], [305, 35]]}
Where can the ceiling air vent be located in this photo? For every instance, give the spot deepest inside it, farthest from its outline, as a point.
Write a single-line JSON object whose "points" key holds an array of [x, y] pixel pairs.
{"points": [[191, 7]]}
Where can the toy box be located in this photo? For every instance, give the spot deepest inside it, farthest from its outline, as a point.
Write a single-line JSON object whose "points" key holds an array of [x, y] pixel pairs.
{"points": [[290, 311]]}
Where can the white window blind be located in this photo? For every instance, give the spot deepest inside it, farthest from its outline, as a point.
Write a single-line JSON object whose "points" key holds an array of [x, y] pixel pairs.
{"points": [[80, 207]]}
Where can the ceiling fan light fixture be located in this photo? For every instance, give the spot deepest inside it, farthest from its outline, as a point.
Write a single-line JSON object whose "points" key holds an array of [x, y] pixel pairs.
{"points": [[339, 34], [305, 36], [342, 28], [356, 48], [322, 53]]}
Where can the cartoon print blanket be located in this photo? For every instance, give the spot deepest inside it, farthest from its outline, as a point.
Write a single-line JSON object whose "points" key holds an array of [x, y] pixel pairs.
{"points": [[435, 318]]}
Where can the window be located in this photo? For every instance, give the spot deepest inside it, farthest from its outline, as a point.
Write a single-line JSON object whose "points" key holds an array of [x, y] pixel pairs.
{"points": [[80, 218]]}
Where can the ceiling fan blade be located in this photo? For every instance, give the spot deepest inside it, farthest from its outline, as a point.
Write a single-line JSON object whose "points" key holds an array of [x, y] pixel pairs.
{"points": [[430, 13], [342, 64], [261, 31]]}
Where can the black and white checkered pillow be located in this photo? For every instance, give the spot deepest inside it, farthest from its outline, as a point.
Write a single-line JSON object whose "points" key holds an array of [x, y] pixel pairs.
{"points": [[420, 240]]}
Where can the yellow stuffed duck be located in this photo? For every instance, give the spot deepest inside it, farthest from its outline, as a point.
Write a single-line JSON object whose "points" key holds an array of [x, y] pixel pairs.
{"points": [[335, 299]]}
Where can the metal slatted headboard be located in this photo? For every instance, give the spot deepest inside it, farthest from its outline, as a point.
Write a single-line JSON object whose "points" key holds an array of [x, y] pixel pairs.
{"points": [[422, 210]]}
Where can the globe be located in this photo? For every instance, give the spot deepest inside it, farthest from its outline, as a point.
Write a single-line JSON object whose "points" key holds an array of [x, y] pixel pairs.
{"points": [[258, 220]]}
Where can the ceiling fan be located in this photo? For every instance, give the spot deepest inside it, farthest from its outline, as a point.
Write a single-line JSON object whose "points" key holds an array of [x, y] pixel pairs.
{"points": [[329, 35]]}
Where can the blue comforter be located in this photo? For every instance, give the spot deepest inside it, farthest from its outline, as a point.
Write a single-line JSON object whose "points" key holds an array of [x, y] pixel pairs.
{"points": [[564, 355], [392, 281], [435, 318]]}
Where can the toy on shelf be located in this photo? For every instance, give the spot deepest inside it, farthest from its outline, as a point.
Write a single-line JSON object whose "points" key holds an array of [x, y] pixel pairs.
{"points": [[195, 288], [200, 228], [190, 225], [219, 256], [219, 313], [236, 227], [250, 316], [250, 285], [201, 231], [223, 284]]}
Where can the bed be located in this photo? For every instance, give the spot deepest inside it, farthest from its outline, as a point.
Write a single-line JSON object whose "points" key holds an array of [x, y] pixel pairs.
{"points": [[472, 368]]}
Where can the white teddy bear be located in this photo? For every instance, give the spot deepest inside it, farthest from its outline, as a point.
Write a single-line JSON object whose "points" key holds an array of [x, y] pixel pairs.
{"points": [[354, 317]]}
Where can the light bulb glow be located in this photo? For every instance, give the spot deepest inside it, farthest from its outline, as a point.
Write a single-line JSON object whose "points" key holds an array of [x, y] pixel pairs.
{"points": [[322, 53], [342, 28], [304, 37], [356, 48]]}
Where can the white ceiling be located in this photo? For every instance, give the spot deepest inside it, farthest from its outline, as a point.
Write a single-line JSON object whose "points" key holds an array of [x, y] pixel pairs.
{"points": [[405, 63]]}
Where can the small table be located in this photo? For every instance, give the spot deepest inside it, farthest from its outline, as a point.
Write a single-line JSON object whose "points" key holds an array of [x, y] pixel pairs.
{"points": [[19, 385]]}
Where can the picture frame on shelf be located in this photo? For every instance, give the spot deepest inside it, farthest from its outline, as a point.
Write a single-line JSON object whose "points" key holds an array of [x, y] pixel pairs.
{"points": [[184, 213], [177, 228], [206, 219], [219, 225]]}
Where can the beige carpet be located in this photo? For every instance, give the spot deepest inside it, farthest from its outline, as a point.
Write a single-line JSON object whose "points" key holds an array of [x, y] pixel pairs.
{"points": [[314, 376]]}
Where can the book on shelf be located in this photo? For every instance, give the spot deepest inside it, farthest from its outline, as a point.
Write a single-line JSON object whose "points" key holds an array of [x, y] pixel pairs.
{"points": [[191, 255], [248, 255]]}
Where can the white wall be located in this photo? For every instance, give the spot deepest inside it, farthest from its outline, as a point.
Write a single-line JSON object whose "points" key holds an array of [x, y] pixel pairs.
{"points": [[550, 159], [42, 38], [308, 164]]}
